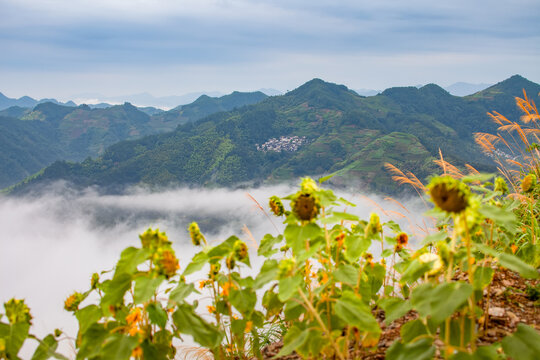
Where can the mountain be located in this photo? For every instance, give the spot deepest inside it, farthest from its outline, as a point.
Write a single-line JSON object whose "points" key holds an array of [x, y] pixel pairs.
{"points": [[25, 148], [27, 102], [204, 106], [464, 89], [319, 128], [143, 99], [367, 92], [80, 132], [15, 111]]}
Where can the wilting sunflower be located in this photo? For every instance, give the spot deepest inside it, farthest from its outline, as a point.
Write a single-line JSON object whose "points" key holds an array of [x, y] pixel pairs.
{"points": [[528, 183], [449, 194], [276, 206]]}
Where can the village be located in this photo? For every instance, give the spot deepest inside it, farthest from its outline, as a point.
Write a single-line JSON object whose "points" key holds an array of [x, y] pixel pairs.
{"points": [[284, 143]]}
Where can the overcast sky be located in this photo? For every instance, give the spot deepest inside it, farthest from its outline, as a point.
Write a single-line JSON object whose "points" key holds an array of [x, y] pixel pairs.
{"points": [[59, 48]]}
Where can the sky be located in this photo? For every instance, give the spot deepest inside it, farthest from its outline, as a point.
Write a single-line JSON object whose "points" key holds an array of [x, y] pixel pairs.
{"points": [[64, 48]]}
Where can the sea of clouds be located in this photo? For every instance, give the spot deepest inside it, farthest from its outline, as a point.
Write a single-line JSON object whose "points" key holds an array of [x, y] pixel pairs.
{"points": [[52, 242]]}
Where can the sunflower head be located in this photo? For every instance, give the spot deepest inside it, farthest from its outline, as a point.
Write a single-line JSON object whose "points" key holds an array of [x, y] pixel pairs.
{"points": [[214, 270], [94, 281], [153, 239], [230, 262], [276, 206], [528, 183], [73, 301], [17, 311], [374, 225], [305, 206], [449, 194], [308, 185], [402, 239], [167, 264], [195, 234], [240, 250], [500, 185]]}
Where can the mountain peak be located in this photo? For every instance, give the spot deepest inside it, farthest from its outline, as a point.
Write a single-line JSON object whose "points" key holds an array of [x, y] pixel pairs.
{"points": [[316, 89], [513, 85]]}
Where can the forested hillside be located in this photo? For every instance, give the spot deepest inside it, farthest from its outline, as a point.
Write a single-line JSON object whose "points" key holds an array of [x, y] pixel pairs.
{"points": [[315, 129], [36, 137]]}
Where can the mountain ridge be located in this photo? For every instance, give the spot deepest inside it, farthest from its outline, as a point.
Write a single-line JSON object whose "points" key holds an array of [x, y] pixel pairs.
{"points": [[344, 133]]}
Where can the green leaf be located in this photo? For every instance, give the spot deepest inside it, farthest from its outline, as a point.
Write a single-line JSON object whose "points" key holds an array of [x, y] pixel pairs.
{"points": [[145, 288], [418, 350], [119, 347], [87, 316], [196, 264], [296, 236], [514, 263], [116, 289], [387, 252], [352, 310], [243, 300], [268, 272], [288, 287], [394, 308], [434, 238], [130, 258], [347, 274], [415, 270], [266, 247], [18, 332], [337, 217], [271, 303], [510, 261], [433, 300], [157, 315], [222, 250], [325, 178], [355, 246], [477, 178], [375, 277], [91, 342], [392, 225], [155, 351], [482, 277], [188, 322], [524, 344], [293, 339], [456, 333], [46, 348], [501, 216], [180, 292], [413, 329]]}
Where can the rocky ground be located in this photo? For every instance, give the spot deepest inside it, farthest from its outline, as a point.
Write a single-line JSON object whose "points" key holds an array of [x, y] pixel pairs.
{"points": [[509, 300]]}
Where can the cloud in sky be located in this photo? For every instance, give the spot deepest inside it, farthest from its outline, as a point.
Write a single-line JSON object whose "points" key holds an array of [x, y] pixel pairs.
{"points": [[171, 47]]}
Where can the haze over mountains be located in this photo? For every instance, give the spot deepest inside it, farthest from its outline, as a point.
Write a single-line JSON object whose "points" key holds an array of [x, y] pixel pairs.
{"points": [[315, 129]]}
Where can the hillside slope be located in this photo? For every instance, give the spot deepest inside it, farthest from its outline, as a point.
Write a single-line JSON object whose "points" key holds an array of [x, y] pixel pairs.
{"points": [[80, 132]]}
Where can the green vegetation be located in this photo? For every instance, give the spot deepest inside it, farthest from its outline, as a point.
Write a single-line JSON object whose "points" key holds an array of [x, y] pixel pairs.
{"points": [[346, 133], [51, 132], [319, 289]]}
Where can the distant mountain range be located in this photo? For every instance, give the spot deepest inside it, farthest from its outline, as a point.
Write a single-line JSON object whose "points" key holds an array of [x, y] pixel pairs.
{"points": [[319, 128], [27, 102], [457, 89], [32, 138]]}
